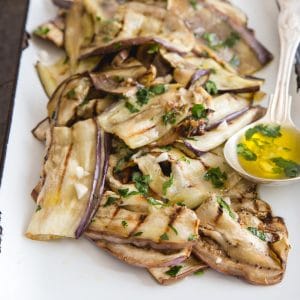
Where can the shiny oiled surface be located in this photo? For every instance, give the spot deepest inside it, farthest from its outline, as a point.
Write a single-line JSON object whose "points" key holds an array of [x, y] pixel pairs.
{"points": [[77, 270]]}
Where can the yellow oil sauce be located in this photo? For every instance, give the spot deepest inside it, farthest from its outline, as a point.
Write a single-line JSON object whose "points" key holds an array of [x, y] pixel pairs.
{"points": [[270, 152]]}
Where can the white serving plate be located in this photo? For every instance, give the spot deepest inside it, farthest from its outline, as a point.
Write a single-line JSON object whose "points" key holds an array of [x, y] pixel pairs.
{"points": [[77, 270]]}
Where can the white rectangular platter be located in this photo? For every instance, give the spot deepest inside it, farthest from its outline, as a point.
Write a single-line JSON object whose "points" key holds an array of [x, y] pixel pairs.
{"points": [[77, 270]]}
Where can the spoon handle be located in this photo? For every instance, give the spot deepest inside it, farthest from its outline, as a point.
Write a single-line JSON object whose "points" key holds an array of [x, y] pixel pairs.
{"points": [[289, 31]]}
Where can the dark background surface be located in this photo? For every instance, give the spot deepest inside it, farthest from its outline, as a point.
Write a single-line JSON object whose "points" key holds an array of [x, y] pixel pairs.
{"points": [[12, 21]]}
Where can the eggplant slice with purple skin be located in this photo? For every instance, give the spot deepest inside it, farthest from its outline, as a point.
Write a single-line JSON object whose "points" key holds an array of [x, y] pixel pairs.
{"points": [[144, 257], [169, 275], [222, 36], [242, 242], [72, 182], [151, 223]]}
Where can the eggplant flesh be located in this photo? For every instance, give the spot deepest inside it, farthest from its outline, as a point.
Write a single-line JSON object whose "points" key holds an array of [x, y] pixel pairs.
{"points": [[229, 244], [41, 129], [146, 123], [73, 179], [159, 227], [186, 268], [144, 257]]}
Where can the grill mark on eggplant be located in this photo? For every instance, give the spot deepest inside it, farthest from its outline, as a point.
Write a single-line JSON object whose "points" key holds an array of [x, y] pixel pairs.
{"points": [[135, 229]]}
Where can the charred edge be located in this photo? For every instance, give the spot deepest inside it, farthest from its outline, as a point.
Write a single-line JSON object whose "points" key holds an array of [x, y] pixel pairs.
{"points": [[33, 131], [196, 76], [63, 3], [198, 153], [251, 89]]}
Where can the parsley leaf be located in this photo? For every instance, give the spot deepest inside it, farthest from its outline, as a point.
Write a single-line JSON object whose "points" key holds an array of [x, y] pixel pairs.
{"points": [[193, 3], [41, 31], [215, 43], [231, 40], [125, 193], [199, 111], [164, 237], [139, 233], [245, 152], [268, 130], [199, 273], [211, 87], [143, 96], [154, 48], [141, 182], [153, 201], [110, 201], [234, 61], [157, 89], [169, 117], [258, 233], [167, 184], [290, 168], [71, 94], [225, 207], [174, 229], [192, 237], [216, 177], [211, 39], [124, 224], [131, 107], [173, 271], [38, 208]]}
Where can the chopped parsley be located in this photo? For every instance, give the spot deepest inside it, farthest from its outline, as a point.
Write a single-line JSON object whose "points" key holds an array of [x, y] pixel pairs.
{"points": [[154, 48], [167, 184], [180, 203], [38, 208], [185, 159], [268, 130], [98, 18], [141, 182], [258, 233], [192, 237], [42, 31], [215, 43], [199, 273], [245, 152], [153, 201], [169, 117], [110, 201], [173, 271], [225, 207], [164, 237], [290, 168], [157, 89], [193, 3], [143, 95], [211, 39], [139, 233], [211, 87], [216, 176], [234, 61], [125, 193], [231, 40], [174, 229], [71, 94], [124, 224], [199, 111], [131, 107]]}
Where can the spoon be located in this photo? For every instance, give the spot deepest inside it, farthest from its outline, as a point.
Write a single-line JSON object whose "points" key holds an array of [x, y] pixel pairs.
{"points": [[279, 110]]}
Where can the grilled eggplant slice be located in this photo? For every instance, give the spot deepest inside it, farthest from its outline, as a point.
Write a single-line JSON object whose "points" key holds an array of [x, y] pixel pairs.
{"points": [[41, 129], [160, 226], [52, 76], [169, 275], [225, 80], [166, 29], [228, 39], [140, 123], [218, 135], [244, 244], [73, 180], [144, 257]]}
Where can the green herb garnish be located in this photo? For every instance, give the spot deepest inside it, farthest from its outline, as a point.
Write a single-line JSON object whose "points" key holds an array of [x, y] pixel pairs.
{"points": [[42, 31], [71, 94], [199, 273], [154, 48], [141, 182], [192, 237], [169, 117], [154, 202], [157, 89], [185, 159], [215, 43], [139, 233], [167, 184], [110, 201], [164, 237], [216, 176], [234, 61], [211, 39], [268, 130], [143, 95], [38, 208], [225, 207], [124, 224], [258, 233], [193, 3], [245, 152], [231, 40], [211, 87], [173, 271], [290, 168], [131, 107], [174, 229], [199, 111], [125, 193]]}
